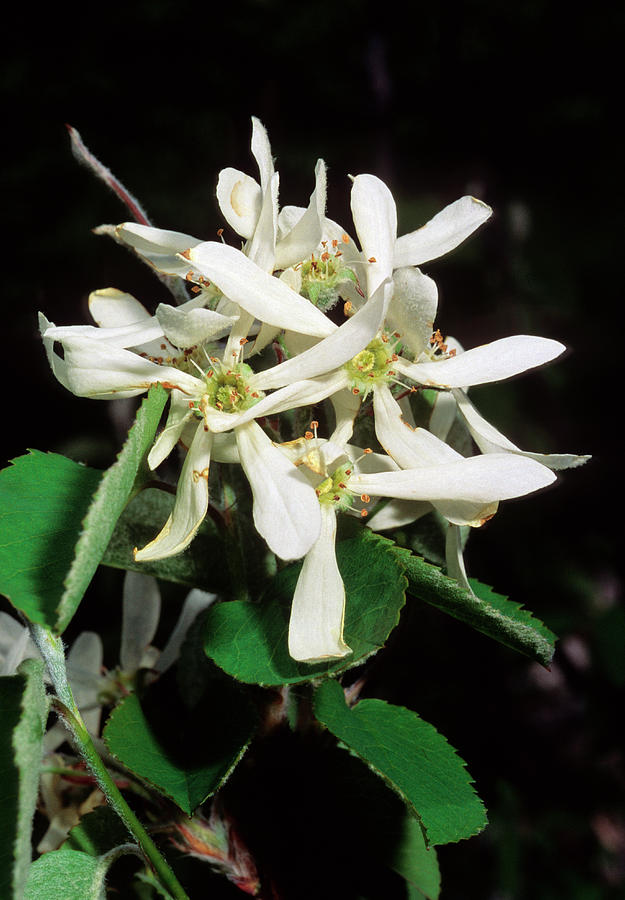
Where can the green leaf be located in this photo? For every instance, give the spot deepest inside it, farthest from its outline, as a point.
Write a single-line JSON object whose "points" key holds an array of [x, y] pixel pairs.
{"points": [[166, 745], [249, 640], [43, 500], [194, 567], [56, 518], [494, 615], [24, 709], [97, 833], [412, 757], [66, 875], [414, 861], [108, 502]]}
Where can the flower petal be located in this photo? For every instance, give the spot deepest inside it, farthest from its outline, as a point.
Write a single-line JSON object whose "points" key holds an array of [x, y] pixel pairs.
{"points": [[240, 199], [262, 248], [286, 509], [441, 234], [490, 362], [191, 502], [305, 235], [267, 298], [111, 308], [409, 447], [158, 247], [98, 370], [412, 309], [179, 415], [196, 601], [375, 218], [318, 610], [454, 558], [397, 513], [335, 350], [188, 328], [141, 612], [490, 440], [479, 479]]}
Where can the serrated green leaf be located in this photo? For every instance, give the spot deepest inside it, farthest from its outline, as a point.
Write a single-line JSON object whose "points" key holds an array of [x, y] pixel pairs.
{"points": [[167, 745], [66, 875], [23, 712], [108, 502], [249, 640], [43, 500], [493, 614], [412, 757], [195, 567]]}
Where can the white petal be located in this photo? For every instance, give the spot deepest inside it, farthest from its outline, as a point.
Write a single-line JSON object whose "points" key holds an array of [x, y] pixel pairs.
{"points": [[409, 447], [305, 236], [337, 349], [267, 298], [318, 610], [57, 364], [397, 513], [490, 440], [135, 335], [190, 328], [141, 612], [195, 603], [442, 233], [454, 558], [240, 200], [262, 248], [98, 370], [375, 218], [346, 405], [286, 509], [412, 309], [443, 414], [179, 415], [301, 393], [479, 479], [111, 308], [158, 247], [191, 502], [490, 362], [84, 670], [262, 152]]}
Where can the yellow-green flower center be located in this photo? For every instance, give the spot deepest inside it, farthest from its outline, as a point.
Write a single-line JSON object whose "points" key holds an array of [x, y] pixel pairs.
{"points": [[371, 366], [227, 388], [333, 489]]}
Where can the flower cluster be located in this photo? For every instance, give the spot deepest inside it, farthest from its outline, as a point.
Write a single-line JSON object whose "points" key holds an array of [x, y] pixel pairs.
{"points": [[253, 339]]}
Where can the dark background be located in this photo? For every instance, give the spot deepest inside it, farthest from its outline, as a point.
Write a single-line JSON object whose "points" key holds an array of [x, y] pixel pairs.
{"points": [[521, 106]]}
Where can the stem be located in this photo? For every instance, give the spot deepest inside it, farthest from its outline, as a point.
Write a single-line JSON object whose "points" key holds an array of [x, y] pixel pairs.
{"points": [[51, 649]]}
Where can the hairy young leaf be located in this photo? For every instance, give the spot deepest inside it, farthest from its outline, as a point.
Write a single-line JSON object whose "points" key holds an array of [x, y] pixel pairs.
{"points": [[108, 502], [56, 518], [24, 711], [43, 500], [488, 612], [249, 640], [66, 875], [412, 757], [186, 756]]}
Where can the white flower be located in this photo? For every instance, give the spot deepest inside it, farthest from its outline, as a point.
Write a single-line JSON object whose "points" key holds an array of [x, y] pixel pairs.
{"points": [[92, 685], [459, 487]]}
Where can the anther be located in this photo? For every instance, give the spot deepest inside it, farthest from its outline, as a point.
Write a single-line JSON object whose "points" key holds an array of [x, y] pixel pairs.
{"points": [[372, 259], [365, 498], [186, 254], [309, 435], [363, 513], [345, 238], [195, 289]]}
